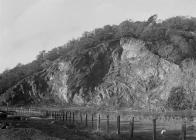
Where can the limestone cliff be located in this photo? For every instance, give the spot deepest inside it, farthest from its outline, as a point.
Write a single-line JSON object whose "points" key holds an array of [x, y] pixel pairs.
{"points": [[46, 87], [118, 73], [138, 78]]}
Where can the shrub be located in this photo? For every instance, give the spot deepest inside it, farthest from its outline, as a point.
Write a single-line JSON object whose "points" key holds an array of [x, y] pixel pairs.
{"points": [[177, 99]]}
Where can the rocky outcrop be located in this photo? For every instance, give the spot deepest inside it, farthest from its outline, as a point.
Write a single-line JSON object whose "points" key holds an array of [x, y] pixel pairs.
{"points": [[156, 76], [139, 79], [117, 73], [146, 64], [65, 82], [46, 87]]}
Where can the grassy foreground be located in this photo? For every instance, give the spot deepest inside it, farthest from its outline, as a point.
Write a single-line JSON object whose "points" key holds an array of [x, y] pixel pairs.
{"points": [[44, 129]]}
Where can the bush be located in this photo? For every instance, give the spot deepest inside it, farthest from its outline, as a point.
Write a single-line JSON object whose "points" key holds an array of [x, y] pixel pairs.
{"points": [[177, 99]]}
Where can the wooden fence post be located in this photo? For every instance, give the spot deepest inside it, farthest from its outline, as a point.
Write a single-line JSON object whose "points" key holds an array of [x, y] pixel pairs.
{"points": [[70, 117], [30, 112], [183, 130], [132, 127], [55, 115], [7, 107], [98, 122], [66, 116], [80, 117], [73, 116], [107, 126], [63, 116], [52, 114], [86, 120], [154, 129], [118, 124], [92, 120], [47, 113]]}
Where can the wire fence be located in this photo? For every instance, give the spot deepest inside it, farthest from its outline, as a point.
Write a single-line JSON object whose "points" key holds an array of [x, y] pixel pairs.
{"points": [[119, 122]]}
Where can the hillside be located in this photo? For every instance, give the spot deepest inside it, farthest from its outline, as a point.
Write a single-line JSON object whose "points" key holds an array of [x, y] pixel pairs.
{"points": [[134, 64]]}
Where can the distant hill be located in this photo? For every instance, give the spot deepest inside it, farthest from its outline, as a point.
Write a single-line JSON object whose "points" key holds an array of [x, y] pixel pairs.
{"points": [[134, 64]]}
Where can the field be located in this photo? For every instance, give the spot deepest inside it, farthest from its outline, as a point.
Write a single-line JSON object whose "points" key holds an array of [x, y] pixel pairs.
{"points": [[57, 128]]}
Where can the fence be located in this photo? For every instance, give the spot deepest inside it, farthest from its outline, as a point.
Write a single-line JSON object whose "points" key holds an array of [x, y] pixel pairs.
{"points": [[98, 119], [110, 119], [20, 111]]}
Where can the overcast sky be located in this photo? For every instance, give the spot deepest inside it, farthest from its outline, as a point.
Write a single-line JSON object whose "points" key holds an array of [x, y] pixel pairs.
{"points": [[29, 26]]}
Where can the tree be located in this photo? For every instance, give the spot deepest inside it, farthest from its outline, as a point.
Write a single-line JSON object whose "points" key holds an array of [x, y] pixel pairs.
{"points": [[41, 56], [180, 23], [127, 28], [152, 19], [189, 79], [177, 99]]}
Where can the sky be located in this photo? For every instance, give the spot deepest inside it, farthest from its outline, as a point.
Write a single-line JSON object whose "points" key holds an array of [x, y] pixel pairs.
{"points": [[30, 26]]}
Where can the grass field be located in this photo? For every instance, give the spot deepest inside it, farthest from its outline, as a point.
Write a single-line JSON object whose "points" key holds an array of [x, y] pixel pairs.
{"points": [[47, 129], [50, 129]]}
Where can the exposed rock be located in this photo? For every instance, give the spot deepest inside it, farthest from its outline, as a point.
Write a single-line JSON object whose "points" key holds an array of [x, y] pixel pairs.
{"points": [[117, 73], [129, 82], [146, 64], [47, 86]]}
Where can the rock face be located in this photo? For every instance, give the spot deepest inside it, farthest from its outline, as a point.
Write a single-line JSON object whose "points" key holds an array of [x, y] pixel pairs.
{"points": [[146, 64], [46, 87], [139, 78], [154, 76], [118, 73]]}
